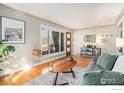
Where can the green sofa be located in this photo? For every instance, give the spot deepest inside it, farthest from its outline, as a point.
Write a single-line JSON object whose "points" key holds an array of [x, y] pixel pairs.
{"points": [[99, 72]]}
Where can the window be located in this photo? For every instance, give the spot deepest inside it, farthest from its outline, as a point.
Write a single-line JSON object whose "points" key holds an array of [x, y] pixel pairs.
{"points": [[54, 41], [45, 41], [62, 41], [51, 41]]}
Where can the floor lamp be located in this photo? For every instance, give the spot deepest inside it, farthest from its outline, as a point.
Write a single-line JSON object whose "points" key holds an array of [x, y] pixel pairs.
{"points": [[120, 44]]}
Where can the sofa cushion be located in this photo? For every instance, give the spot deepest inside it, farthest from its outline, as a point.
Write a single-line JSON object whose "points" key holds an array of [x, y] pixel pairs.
{"points": [[107, 61], [119, 65], [98, 68], [103, 78], [111, 78], [91, 78]]}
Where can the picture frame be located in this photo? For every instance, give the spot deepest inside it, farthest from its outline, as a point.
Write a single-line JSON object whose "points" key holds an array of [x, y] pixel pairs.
{"points": [[90, 38], [12, 30]]}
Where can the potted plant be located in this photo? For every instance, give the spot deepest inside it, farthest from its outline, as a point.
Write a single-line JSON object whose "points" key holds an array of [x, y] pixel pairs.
{"points": [[5, 51]]}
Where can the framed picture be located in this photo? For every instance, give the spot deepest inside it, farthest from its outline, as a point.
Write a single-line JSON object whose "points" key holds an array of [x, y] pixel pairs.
{"points": [[90, 38], [12, 30]]}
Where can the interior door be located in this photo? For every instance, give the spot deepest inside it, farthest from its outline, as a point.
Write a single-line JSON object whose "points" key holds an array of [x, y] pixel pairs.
{"points": [[68, 43]]}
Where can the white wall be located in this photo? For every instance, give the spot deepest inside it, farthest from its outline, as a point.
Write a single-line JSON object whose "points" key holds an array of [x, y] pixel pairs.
{"points": [[23, 52], [108, 46]]}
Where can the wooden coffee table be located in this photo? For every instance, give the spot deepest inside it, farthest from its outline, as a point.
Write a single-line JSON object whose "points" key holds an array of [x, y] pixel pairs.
{"points": [[63, 67]]}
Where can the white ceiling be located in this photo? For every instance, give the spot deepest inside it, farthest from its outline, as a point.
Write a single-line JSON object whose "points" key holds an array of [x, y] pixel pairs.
{"points": [[73, 16]]}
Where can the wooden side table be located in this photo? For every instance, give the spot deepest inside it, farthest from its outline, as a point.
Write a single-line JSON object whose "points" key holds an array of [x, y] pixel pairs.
{"points": [[63, 67]]}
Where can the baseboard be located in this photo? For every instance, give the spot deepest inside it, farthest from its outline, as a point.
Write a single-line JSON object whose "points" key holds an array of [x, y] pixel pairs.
{"points": [[45, 61], [75, 53]]}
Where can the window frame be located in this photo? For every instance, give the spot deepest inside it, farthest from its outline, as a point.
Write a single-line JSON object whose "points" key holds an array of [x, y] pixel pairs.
{"points": [[56, 30]]}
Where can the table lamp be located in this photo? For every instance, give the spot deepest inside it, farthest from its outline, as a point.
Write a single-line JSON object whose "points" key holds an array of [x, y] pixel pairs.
{"points": [[120, 44]]}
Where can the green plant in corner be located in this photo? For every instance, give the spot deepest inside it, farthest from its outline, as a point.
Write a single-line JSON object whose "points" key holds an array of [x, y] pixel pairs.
{"points": [[5, 50], [2, 47]]}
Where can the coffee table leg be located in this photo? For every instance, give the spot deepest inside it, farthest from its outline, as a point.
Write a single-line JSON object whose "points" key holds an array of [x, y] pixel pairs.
{"points": [[73, 73], [55, 81]]}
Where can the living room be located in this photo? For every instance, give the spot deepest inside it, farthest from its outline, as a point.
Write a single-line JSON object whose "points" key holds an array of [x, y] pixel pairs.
{"points": [[40, 47]]}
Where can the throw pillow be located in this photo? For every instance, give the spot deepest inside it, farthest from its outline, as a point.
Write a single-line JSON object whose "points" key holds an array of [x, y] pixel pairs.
{"points": [[107, 61]]}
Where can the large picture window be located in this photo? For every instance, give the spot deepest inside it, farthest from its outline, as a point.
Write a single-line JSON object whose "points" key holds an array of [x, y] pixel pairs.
{"points": [[45, 41], [52, 41]]}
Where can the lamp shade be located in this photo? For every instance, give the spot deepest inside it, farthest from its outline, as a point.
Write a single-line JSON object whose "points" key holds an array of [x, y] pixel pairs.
{"points": [[120, 42]]}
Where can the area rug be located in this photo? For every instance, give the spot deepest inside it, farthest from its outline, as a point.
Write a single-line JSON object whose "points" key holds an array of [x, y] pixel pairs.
{"points": [[48, 78]]}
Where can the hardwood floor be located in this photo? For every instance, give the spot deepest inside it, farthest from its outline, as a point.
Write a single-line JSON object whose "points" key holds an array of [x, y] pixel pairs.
{"points": [[22, 77], [82, 61]]}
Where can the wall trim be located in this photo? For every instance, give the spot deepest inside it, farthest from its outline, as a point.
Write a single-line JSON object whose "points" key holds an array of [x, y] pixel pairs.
{"points": [[93, 27], [120, 18]]}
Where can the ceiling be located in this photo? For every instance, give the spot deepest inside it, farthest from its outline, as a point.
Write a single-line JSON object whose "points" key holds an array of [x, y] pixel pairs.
{"points": [[73, 15]]}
